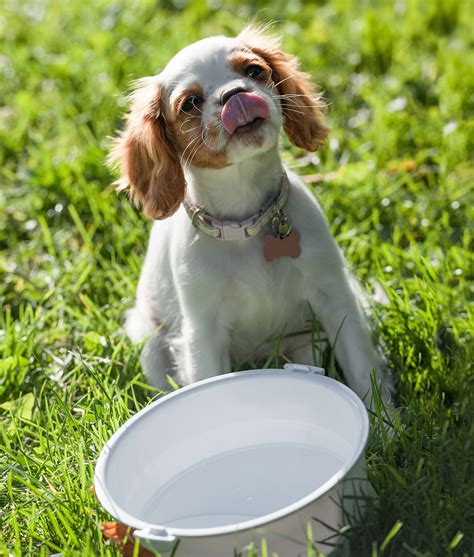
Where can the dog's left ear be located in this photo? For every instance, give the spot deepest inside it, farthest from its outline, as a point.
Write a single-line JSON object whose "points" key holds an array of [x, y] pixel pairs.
{"points": [[302, 109]]}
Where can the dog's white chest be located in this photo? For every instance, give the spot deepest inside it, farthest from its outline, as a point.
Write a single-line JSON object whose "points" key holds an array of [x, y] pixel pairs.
{"points": [[264, 307]]}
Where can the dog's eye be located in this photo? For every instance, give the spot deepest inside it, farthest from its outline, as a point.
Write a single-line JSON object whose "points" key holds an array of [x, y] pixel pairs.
{"points": [[253, 71], [192, 102]]}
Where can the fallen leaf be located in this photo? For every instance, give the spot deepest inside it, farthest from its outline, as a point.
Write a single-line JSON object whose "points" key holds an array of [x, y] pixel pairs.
{"points": [[18, 409], [122, 535]]}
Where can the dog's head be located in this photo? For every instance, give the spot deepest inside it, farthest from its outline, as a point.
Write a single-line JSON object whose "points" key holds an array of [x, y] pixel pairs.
{"points": [[217, 102]]}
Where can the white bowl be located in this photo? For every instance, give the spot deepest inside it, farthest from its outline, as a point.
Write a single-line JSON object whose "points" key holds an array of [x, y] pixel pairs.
{"points": [[236, 458]]}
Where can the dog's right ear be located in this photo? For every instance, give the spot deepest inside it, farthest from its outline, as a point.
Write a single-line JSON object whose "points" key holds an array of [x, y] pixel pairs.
{"points": [[302, 110], [147, 156]]}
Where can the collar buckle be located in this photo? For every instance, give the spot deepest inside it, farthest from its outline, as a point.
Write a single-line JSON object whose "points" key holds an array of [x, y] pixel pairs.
{"points": [[230, 230]]}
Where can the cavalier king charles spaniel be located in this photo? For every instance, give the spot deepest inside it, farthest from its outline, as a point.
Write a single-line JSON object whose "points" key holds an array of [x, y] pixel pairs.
{"points": [[240, 253]]}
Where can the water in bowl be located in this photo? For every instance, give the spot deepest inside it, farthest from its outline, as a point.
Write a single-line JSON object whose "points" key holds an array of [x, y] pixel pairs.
{"points": [[241, 485]]}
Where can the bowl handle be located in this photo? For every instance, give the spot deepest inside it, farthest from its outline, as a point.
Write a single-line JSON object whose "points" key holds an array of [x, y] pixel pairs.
{"points": [[157, 539], [303, 368]]}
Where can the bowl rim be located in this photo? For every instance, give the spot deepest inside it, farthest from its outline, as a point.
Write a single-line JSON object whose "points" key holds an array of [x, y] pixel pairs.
{"points": [[107, 501]]}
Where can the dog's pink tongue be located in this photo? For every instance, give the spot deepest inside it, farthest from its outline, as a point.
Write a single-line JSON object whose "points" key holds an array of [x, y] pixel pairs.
{"points": [[241, 109]]}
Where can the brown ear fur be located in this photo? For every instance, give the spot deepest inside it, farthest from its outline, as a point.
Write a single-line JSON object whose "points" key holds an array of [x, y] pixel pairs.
{"points": [[146, 155], [302, 109]]}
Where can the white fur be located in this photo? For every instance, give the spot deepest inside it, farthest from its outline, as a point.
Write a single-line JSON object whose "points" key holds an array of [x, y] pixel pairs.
{"points": [[203, 305]]}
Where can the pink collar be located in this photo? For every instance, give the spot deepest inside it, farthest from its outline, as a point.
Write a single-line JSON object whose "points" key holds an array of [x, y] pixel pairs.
{"points": [[228, 230]]}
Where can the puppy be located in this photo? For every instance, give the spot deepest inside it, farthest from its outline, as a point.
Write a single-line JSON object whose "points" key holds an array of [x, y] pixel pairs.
{"points": [[240, 251]]}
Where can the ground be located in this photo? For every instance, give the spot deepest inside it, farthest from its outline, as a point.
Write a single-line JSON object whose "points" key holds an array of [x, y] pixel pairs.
{"points": [[394, 178]]}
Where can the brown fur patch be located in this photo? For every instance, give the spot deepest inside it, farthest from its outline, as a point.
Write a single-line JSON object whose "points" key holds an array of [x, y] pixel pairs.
{"points": [[147, 156], [193, 89], [195, 141], [302, 109], [239, 61]]}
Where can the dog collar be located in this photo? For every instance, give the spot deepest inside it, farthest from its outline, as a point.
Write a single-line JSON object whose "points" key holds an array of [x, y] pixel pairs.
{"points": [[249, 228]]}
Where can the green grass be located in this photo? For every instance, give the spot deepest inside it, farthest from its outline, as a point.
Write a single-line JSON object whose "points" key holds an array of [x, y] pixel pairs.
{"points": [[394, 180]]}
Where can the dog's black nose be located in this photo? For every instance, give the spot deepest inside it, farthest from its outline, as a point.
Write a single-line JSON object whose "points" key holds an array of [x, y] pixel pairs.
{"points": [[230, 93]]}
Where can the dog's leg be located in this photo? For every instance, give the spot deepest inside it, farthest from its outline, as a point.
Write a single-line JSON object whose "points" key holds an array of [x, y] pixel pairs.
{"points": [[156, 358], [342, 318], [157, 362], [204, 352]]}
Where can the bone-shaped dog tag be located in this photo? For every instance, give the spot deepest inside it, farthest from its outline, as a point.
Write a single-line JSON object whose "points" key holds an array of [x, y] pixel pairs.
{"points": [[274, 246]]}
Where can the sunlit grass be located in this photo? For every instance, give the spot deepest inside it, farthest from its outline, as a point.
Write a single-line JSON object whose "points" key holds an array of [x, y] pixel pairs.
{"points": [[395, 180]]}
